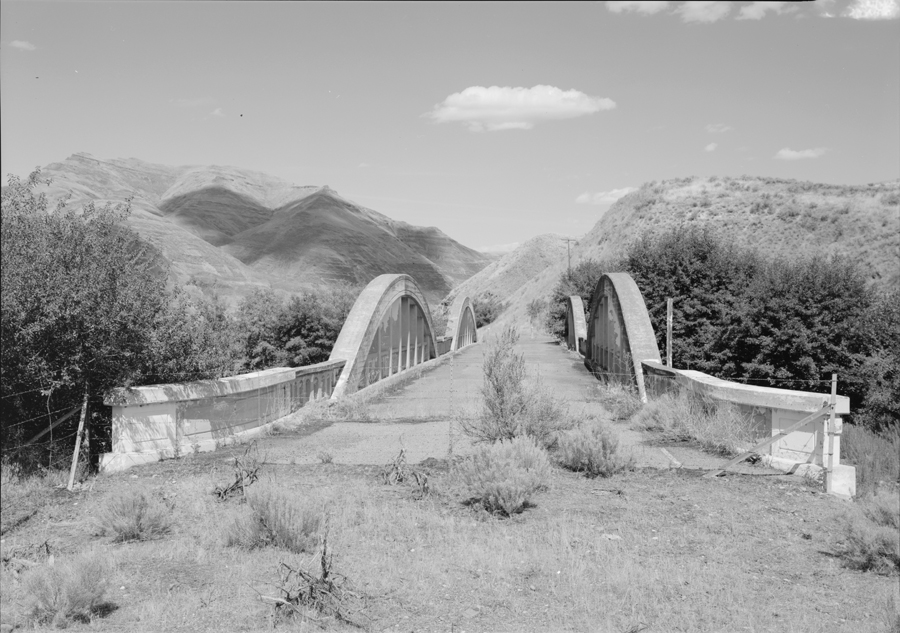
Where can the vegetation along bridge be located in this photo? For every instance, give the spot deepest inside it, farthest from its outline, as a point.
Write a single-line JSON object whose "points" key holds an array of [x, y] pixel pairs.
{"points": [[388, 347]]}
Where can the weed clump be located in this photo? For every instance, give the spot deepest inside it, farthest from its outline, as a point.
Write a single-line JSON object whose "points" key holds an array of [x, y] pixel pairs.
{"points": [[872, 534], [276, 519], [719, 427], [133, 515], [592, 449], [68, 591], [621, 401], [246, 472], [503, 477], [513, 405], [875, 455]]}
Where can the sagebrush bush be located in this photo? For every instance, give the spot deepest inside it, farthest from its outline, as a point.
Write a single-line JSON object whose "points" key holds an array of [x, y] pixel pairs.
{"points": [[67, 591], [719, 427], [133, 515], [513, 404], [502, 477], [872, 533], [620, 401], [875, 455], [278, 519], [592, 449]]}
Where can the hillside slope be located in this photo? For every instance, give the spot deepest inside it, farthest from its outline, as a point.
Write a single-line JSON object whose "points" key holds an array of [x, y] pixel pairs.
{"points": [[780, 218], [513, 271], [230, 230]]}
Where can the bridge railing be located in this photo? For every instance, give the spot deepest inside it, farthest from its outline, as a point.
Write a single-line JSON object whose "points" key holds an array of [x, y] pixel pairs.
{"points": [[388, 331], [163, 421]]}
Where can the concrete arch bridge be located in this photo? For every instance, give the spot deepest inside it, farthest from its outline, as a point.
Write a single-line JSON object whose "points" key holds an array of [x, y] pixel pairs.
{"points": [[390, 331]]}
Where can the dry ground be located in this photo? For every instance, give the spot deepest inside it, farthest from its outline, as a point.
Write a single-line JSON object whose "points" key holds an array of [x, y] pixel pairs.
{"points": [[652, 550]]}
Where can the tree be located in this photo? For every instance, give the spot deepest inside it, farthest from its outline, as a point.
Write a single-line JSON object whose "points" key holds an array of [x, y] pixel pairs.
{"points": [[580, 281], [488, 307], [84, 308]]}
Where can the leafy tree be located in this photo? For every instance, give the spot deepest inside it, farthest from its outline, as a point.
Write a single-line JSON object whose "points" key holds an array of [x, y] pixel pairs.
{"points": [[311, 322], [487, 307], [84, 308], [578, 281], [705, 276]]}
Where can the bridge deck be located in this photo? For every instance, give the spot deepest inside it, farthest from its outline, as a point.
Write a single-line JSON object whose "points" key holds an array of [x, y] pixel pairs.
{"points": [[418, 416]]}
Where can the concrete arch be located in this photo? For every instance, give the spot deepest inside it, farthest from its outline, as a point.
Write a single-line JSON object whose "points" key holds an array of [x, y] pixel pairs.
{"points": [[619, 333], [387, 331], [576, 328], [461, 323]]}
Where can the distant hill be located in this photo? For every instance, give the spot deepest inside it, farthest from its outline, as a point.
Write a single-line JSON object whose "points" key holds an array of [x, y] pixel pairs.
{"points": [[780, 218], [513, 271], [230, 230]]}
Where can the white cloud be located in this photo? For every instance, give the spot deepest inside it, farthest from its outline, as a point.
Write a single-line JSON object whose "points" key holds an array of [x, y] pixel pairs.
{"points": [[789, 154], [705, 12], [218, 112], [873, 10], [22, 45], [718, 128], [603, 197], [647, 8], [757, 10], [363, 165], [506, 108], [711, 147]]}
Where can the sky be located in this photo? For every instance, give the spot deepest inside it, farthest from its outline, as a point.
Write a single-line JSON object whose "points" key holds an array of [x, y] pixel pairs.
{"points": [[495, 122]]}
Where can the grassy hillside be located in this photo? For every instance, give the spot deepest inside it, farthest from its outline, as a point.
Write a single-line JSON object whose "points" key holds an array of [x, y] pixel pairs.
{"points": [[780, 218], [231, 230]]}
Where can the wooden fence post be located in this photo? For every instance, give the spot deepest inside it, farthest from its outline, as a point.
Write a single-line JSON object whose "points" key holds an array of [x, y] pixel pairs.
{"points": [[84, 406]]}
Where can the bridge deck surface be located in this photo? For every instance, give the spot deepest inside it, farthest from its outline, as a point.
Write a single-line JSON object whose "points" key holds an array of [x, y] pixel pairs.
{"points": [[417, 416]]}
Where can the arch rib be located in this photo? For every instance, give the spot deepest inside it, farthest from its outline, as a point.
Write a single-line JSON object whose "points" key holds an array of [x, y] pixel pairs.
{"points": [[461, 323], [576, 328], [364, 322], [620, 334]]}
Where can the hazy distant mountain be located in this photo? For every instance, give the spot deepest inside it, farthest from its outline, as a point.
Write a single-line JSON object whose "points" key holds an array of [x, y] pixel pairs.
{"points": [[232, 229], [780, 218]]}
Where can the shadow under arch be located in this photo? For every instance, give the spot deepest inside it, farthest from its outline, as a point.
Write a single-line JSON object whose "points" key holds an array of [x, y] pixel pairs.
{"points": [[461, 323], [387, 331], [619, 332]]}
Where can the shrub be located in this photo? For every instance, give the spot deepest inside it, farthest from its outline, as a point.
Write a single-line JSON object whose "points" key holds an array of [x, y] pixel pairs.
{"points": [[68, 591], [502, 477], [622, 402], [875, 455], [719, 427], [872, 533], [276, 519], [512, 405], [488, 307], [133, 515], [592, 449]]}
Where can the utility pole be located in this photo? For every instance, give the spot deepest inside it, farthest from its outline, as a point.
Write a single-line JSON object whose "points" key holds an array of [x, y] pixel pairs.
{"points": [[569, 252]]}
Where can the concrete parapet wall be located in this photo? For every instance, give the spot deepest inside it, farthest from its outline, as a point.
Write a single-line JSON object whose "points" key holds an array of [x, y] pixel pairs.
{"points": [[769, 411], [158, 421], [576, 326]]}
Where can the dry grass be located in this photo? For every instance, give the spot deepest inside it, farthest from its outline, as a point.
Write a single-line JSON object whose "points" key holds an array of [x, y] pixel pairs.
{"points": [[876, 456], [621, 401], [592, 449], [503, 477], [731, 554], [132, 515], [276, 518], [718, 427], [67, 591], [873, 533]]}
